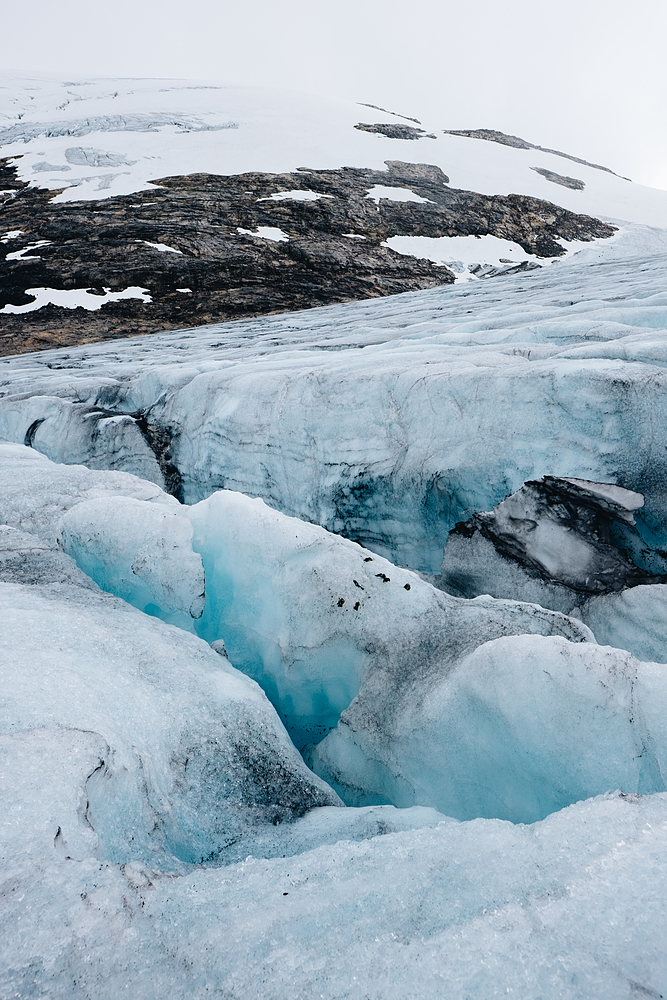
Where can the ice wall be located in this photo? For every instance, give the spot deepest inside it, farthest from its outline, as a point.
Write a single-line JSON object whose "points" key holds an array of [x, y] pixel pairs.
{"points": [[386, 422]]}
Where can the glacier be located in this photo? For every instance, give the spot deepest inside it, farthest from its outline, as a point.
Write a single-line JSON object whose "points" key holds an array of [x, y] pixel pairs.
{"points": [[337, 633], [321, 413], [396, 692], [172, 472]]}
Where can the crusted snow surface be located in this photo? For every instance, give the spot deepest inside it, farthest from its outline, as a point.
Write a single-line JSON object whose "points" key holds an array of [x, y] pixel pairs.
{"points": [[572, 906]]}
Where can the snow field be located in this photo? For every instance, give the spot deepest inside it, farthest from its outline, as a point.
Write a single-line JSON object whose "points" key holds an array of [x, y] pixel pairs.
{"points": [[229, 130]]}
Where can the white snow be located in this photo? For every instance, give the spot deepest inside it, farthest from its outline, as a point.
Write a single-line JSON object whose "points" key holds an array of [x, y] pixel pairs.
{"points": [[266, 233], [13, 234], [461, 253], [20, 254], [74, 298], [161, 247], [185, 291], [457, 252], [175, 128], [379, 191], [295, 195]]}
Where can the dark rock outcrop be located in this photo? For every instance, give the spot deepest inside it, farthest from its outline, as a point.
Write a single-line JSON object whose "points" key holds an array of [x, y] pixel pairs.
{"points": [[492, 135], [569, 182], [397, 131], [221, 268], [556, 542]]}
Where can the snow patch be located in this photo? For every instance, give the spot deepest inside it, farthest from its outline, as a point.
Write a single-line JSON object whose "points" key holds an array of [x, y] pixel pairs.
{"points": [[73, 298], [266, 233], [296, 195], [19, 254], [459, 252], [161, 247], [379, 191]]}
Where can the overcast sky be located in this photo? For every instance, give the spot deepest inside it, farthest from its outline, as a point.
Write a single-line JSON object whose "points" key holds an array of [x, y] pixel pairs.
{"points": [[585, 76]]}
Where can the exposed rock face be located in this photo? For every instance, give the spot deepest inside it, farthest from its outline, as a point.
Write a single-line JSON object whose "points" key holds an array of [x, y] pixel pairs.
{"points": [[492, 135], [395, 131], [209, 248], [569, 182], [556, 541]]}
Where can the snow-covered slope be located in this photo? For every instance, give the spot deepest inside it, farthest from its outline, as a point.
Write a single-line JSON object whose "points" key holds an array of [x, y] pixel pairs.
{"points": [[173, 127]]}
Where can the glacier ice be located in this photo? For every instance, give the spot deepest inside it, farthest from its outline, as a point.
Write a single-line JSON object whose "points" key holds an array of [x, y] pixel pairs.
{"points": [[141, 552], [569, 907], [322, 414], [305, 613], [193, 754], [635, 619], [473, 707], [385, 421], [196, 755], [518, 728]]}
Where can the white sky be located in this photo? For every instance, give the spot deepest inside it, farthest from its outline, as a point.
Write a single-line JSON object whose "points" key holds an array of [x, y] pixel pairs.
{"points": [[585, 76]]}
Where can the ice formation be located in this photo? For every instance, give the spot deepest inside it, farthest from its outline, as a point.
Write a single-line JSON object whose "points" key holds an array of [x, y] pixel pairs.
{"points": [[517, 728], [179, 527], [321, 413], [192, 755], [397, 672], [572, 906], [141, 552]]}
